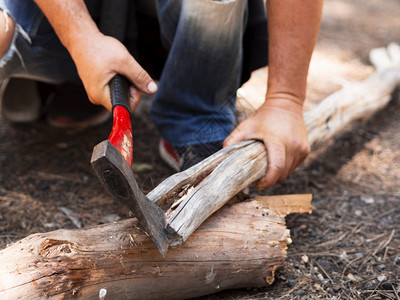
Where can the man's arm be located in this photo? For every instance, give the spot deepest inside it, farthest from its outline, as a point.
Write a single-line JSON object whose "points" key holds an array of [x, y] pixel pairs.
{"points": [[293, 27], [97, 57]]}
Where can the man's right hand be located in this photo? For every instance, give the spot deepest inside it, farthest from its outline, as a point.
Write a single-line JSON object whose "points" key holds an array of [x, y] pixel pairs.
{"points": [[98, 59]]}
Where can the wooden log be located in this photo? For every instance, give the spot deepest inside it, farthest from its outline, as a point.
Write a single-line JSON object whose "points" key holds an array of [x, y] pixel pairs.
{"points": [[239, 246], [356, 101], [235, 167]]}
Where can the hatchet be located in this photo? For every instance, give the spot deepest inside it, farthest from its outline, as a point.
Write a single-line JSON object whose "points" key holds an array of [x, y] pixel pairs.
{"points": [[112, 162]]}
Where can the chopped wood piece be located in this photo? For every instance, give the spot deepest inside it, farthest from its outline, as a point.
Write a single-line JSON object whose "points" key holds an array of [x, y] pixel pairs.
{"points": [[286, 204]]}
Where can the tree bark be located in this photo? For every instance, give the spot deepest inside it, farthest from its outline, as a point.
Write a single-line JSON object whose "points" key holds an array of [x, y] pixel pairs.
{"points": [[239, 246]]}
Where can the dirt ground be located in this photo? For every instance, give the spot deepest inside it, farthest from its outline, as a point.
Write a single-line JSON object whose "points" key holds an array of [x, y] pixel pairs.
{"points": [[348, 248]]}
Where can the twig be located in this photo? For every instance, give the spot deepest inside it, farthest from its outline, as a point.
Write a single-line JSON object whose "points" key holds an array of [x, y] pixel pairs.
{"points": [[381, 246], [333, 241], [71, 216], [47, 176], [387, 213], [395, 292], [384, 244], [374, 291], [350, 262], [323, 270]]}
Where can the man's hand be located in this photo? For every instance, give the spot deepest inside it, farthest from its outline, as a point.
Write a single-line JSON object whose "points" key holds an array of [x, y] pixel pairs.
{"points": [[98, 59], [279, 124], [293, 29]]}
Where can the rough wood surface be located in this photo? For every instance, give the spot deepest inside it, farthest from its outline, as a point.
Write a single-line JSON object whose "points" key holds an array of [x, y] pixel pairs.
{"points": [[239, 246], [206, 192], [356, 101], [286, 204]]}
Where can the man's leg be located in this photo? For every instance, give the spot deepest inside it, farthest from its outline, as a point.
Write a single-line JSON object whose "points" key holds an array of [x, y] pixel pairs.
{"points": [[11, 108], [34, 55], [195, 102], [27, 56]]}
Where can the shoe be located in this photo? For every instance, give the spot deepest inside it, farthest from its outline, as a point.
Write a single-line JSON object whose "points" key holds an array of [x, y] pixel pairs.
{"points": [[20, 100], [169, 155], [184, 157], [69, 107]]}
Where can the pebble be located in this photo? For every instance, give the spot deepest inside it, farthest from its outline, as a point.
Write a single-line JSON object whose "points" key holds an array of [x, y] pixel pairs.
{"points": [[368, 200], [282, 277], [343, 255], [387, 286], [358, 255], [298, 292], [336, 288], [381, 267], [305, 259], [292, 283], [381, 278]]}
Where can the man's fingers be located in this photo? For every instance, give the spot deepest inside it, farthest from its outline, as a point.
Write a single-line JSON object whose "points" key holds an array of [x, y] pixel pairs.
{"points": [[139, 77], [276, 153], [102, 99], [134, 98]]}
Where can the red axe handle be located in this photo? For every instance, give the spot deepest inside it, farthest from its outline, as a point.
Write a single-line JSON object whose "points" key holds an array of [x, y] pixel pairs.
{"points": [[121, 134]]}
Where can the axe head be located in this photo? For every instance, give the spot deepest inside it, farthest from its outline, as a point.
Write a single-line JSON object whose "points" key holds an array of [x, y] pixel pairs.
{"points": [[116, 175]]}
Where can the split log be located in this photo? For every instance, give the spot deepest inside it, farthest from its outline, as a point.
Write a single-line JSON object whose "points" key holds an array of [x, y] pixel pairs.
{"points": [[240, 246], [197, 193]]}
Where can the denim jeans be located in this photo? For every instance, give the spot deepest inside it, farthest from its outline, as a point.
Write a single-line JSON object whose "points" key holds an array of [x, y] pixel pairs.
{"points": [[35, 52], [195, 102]]}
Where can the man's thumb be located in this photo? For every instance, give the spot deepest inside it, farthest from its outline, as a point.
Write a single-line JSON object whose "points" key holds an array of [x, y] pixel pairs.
{"points": [[140, 78]]}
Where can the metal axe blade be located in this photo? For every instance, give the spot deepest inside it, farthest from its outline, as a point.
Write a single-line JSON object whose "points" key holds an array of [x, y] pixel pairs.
{"points": [[116, 175]]}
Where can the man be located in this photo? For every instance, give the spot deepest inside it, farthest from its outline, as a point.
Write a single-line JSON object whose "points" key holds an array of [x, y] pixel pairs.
{"points": [[194, 102]]}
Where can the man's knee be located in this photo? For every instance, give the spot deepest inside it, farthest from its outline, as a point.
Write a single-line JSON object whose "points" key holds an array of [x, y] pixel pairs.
{"points": [[7, 29]]}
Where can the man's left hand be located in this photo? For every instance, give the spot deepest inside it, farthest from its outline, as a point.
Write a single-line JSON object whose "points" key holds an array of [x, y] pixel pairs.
{"points": [[280, 125]]}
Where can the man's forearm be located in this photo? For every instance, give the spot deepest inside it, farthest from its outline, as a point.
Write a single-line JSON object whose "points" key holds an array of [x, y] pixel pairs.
{"points": [[70, 19], [293, 27]]}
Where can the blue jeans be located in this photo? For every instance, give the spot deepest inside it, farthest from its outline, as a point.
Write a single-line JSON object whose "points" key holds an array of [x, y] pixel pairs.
{"points": [[35, 52], [195, 102]]}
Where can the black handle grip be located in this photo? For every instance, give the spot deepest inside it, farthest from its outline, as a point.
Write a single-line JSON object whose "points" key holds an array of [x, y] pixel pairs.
{"points": [[119, 89]]}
